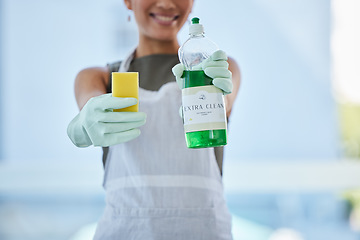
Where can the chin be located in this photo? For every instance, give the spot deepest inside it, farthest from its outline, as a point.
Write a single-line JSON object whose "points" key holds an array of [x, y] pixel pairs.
{"points": [[165, 37]]}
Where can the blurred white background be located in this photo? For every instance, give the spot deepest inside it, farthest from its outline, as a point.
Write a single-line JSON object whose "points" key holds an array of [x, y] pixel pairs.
{"points": [[284, 168]]}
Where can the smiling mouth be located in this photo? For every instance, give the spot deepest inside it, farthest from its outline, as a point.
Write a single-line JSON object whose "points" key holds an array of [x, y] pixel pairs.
{"points": [[164, 18]]}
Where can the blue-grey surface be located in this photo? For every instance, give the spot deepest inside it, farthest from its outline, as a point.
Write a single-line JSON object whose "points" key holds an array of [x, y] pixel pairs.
{"points": [[1, 80], [43, 217], [315, 216]]}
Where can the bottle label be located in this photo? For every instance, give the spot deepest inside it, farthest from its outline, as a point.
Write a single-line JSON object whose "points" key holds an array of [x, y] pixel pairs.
{"points": [[203, 108]]}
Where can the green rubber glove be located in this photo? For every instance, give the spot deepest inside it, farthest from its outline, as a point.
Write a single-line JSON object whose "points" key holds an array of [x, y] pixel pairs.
{"points": [[216, 67], [96, 124]]}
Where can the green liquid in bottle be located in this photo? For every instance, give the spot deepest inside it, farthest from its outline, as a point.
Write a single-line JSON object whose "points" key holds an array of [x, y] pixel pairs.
{"points": [[208, 138], [203, 138]]}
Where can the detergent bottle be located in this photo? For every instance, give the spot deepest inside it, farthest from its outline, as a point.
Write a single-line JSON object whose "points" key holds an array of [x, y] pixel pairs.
{"points": [[203, 105]]}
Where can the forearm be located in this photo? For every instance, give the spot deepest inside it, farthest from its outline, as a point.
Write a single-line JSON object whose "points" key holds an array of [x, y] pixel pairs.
{"points": [[230, 98], [90, 83]]}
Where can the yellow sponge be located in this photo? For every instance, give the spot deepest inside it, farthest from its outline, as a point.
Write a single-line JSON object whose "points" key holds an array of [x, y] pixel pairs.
{"points": [[126, 84]]}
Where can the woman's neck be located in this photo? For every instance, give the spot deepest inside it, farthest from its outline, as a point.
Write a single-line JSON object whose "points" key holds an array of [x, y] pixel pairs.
{"points": [[152, 46]]}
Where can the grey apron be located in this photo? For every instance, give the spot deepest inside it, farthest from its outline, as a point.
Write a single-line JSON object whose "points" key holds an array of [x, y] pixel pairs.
{"points": [[157, 188]]}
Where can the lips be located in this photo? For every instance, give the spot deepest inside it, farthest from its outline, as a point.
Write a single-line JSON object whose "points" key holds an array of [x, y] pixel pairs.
{"points": [[164, 19]]}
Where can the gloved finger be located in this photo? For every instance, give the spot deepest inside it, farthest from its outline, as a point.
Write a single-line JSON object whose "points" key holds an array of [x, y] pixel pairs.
{"points": [[120, 117], [218, 55], [217, 72], [178, 70], [119, 127], [181, 112], [199, 66], [109, 102], [180, 82], [222, 64], [225, 84], [110, 139]]}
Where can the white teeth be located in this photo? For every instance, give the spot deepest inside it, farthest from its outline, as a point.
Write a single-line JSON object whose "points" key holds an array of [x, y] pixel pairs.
{"points": [[165, 19]]}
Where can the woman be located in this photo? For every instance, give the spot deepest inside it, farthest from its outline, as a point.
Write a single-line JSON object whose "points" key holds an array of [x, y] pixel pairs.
{"points": [[156, 188]]}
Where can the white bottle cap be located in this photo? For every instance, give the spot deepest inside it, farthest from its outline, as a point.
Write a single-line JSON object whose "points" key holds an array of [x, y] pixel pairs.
{"points": [[196, 28]]}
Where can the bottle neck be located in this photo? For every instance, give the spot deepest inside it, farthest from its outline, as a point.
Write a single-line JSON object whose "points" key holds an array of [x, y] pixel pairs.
{"points": [[197, 35]]}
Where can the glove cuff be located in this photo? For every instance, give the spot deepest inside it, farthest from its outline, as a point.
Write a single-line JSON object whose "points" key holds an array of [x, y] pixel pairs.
{"points": [[78, 134]]}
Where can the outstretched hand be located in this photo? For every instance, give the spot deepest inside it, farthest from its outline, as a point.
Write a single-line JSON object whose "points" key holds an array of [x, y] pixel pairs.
{"points": [[98, 125]]}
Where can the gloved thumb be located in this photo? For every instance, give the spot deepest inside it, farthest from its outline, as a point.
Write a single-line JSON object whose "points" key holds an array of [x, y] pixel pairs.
{"points": [[178, 71]]}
